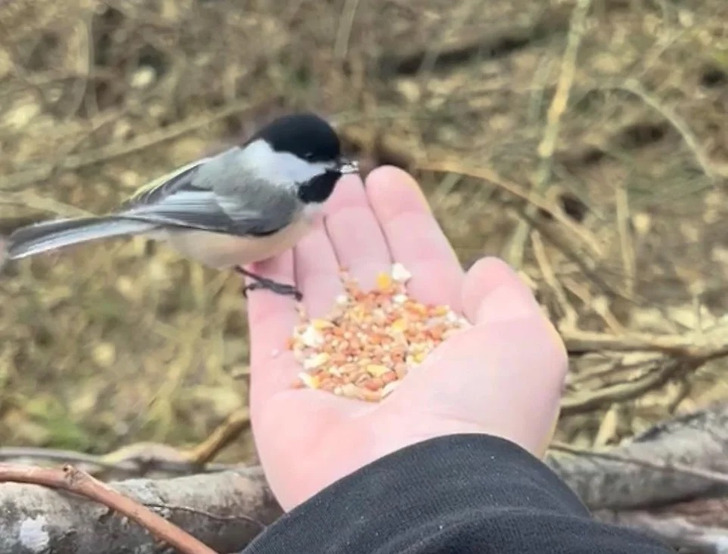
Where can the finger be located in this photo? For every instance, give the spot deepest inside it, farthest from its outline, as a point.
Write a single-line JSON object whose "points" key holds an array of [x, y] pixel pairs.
{"points": [[504, 375], [505, 378], [317, 272], [414, 237], [354, 232], [514, 300], [271, 319]]}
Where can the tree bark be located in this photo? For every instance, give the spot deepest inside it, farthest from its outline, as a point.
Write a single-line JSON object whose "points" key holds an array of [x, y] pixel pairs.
{"points": [[224, 510]]}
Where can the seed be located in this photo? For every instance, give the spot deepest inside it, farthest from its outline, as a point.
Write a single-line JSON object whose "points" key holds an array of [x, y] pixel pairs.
{"points": [[389, 388], [375, 383], [316, 361], [370, 396], [309, 380], [311, 337], [376, 370], [384, 281], [389, 377], [371, 340], [400, 273], [320, 324], [349, 389]]}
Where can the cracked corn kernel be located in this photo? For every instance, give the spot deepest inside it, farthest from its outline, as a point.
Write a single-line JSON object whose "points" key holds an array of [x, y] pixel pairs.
{"points": [[384, 281], [371, 340], [316, 360], [377, 370]]}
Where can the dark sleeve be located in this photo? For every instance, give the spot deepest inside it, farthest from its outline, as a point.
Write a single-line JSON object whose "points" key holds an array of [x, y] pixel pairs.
{"points": [[456, 494]]}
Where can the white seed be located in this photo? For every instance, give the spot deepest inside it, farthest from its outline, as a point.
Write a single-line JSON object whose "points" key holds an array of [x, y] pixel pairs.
{"points": [[389, 388], [307, 380], [312, 337], [400, 273], [316, 361]]}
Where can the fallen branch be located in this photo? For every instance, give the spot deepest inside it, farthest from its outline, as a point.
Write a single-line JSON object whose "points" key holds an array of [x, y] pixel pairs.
{"points": [[224, 510], [679, 459], [697, 527], [76, 481]]}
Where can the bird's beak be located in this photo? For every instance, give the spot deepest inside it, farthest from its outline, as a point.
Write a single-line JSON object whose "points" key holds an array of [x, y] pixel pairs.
{"points": [[347, 166]]}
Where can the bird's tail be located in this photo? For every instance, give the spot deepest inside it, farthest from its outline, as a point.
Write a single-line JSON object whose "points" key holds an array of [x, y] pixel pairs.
{"points": [[50, 235]]}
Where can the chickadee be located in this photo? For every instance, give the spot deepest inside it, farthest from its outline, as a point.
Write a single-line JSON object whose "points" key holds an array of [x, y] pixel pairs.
{"points": [[247, 204]]}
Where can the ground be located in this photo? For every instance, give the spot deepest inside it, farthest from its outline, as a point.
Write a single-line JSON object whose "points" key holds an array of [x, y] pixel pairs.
{"points": [[123, 341]]}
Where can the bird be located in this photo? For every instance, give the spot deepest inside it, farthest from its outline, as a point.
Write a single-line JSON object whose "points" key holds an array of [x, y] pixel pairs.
{"points": [[246, 204]]}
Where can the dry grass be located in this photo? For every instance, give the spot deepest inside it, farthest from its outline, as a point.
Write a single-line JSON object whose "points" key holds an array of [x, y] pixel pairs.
{"points": [[113, 343]]}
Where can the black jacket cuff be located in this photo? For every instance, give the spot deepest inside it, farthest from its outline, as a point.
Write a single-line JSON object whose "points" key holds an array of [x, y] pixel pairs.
{"points": [[460, 493]]}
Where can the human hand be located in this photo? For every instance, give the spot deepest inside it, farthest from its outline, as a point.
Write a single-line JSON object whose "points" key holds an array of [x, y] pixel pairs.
{"points": [[502, 377]]}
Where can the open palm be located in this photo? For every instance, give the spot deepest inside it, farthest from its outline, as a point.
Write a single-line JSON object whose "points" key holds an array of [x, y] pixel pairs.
{"points": [[503, 376]]}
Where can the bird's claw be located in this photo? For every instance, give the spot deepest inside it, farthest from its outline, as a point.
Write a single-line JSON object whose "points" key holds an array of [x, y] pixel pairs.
{"points": [[268, 284]]}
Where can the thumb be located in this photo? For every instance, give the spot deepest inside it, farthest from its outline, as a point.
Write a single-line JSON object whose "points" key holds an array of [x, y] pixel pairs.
{"points": [[493, 292]]}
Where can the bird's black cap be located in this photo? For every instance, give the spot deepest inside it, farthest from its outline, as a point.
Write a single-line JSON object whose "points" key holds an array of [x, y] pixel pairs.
{"points": [[305, 135]]}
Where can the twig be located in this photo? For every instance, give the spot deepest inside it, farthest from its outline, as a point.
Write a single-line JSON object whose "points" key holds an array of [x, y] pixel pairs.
{"points": [[435, 47], [675, 345], [682, 355], [80, 482], [205, 513], [612, 368], [148, 456], [588, 265], [625, 236], [62, 456], [547, 146], [230, 429], [600, 307], [714, 476], [462, 42], [346, 22], [135, 460], [622, 392], [711, 171], [44, 171], [536, 201], [608, 426], [539, 250]]}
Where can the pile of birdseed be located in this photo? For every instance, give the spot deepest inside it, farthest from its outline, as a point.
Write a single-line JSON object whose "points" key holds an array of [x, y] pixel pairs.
{"points": [[370, 340]]}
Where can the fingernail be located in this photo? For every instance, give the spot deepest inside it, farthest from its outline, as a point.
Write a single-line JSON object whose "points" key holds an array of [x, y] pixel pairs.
{"points": [[507, 303]]}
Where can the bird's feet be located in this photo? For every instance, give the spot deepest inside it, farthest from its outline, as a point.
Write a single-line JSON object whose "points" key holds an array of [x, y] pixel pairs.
{"points": [[268, 284]]}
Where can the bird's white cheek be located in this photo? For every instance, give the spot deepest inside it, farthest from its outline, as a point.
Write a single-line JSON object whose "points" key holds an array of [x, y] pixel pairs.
{"points": [[313, 213]]}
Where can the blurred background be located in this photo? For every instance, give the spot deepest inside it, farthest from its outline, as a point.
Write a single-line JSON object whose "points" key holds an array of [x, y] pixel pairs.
{"points": [[612, 111]]}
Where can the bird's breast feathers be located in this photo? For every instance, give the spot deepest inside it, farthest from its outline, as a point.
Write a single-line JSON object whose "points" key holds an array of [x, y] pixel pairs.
{"points": [[221, 251]]}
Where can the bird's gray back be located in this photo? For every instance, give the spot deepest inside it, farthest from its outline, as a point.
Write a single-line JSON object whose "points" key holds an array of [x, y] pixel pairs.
{"points": [[223, 193], [245, 196]]}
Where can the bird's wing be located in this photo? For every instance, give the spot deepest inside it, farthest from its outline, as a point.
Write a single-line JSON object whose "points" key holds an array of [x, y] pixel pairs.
{"points": [[164, 185], [200, 196]]}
